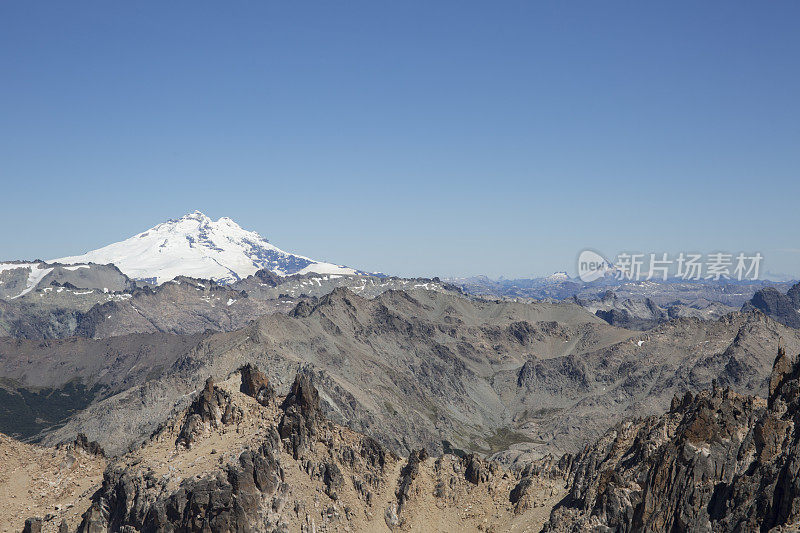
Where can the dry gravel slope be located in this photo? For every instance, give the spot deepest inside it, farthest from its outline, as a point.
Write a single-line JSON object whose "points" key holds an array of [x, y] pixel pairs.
{"points": [[39, 481]]}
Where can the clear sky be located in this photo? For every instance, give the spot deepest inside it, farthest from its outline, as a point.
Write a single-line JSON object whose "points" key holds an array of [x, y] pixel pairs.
{"points": [[414, 137]]}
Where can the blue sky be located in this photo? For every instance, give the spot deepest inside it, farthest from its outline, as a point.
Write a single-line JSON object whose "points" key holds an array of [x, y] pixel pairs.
{"points": [[417, 138]]}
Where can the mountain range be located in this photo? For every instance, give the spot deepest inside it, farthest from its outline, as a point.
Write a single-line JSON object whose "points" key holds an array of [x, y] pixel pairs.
{"points": [[195, 378]]}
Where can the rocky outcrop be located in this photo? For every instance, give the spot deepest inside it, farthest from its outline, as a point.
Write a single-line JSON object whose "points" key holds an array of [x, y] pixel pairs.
{"points": [[83, 444], [211, 409], [717, 461], [33, 525], [266, 277], [256, 384], [302, 310], [476, 470], [785, 308], [247, 490], [301, 414], [332, 478], [527, 372], [244, 496], [375, 455], [523, 495], [407, 476]]}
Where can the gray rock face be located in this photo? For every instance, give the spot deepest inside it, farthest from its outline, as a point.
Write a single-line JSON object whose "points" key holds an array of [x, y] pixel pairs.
{"points": [[643, 313], [717, 461], [231, 500], [301, 415], [785, 308]]}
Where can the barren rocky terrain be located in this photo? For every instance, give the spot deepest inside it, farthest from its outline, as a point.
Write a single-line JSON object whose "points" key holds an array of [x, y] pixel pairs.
{"points": [[98, 301], [716, 461], [238, 458], [442, 371], [495, 390], [785, 308], [52, 483]]}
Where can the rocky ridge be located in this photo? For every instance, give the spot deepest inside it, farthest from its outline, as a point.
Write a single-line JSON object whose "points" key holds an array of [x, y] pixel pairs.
{"points": [[411, 369], [85, 306], [282, 466], [716, 461], [785, 308], [645, 313]]}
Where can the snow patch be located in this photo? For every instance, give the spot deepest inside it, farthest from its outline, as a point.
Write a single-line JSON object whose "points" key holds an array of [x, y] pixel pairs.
{"points": [[34, 277]]}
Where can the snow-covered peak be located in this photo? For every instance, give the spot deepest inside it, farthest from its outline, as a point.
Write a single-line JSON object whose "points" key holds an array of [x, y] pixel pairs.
{"points": [[558, 276], [194, 215], [195, 245]]}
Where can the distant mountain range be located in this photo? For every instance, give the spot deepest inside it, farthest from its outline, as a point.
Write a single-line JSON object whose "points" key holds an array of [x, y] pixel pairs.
{"points": [[197, 246], [559, 286]]}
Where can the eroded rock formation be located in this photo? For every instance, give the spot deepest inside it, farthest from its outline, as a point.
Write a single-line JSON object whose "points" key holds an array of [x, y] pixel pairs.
{"points": [[717, 461]]}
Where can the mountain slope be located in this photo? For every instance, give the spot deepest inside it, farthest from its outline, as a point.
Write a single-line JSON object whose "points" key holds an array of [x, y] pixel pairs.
{"points": [[412, 369], [196, 246], [98, 301], [419, 368], [45, 482]]}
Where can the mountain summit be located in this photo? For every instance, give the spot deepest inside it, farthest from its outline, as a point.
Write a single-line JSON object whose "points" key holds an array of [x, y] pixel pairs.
{"points": [[195, 245]]}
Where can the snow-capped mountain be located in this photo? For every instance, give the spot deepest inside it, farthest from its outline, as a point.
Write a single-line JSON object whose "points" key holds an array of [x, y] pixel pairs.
{"points": [[558, 276], [196, 246]]}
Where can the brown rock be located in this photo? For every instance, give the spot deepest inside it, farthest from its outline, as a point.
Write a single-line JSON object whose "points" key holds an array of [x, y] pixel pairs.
{"points": [[256, 384]]}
